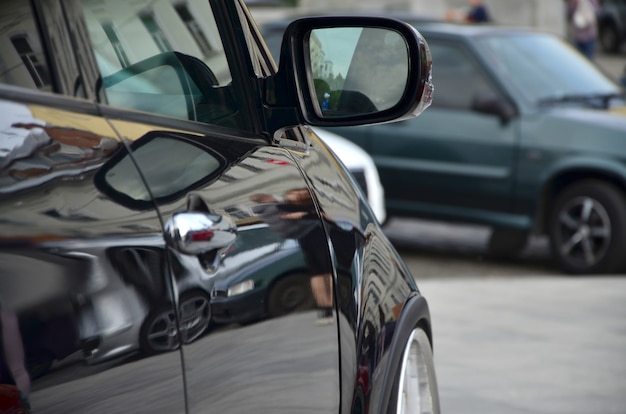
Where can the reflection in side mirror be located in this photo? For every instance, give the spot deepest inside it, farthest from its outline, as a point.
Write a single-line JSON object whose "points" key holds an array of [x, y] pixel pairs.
{"points": [[357, 70]]}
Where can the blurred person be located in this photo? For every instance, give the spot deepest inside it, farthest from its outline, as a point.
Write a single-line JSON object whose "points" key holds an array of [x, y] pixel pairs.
{"points": [[582, 25], [476, 12]]}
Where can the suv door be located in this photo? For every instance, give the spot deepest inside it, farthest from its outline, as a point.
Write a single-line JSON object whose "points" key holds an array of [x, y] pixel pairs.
{"points": [[464, 159]]}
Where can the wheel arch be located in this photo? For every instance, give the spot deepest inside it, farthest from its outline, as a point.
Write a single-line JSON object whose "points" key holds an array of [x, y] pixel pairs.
{"points": [[415, 314], [565, 177]]}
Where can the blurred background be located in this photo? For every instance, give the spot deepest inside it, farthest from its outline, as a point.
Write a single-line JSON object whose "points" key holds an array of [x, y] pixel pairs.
{"points": [[547, 15], [542, 14], [514, 335]]}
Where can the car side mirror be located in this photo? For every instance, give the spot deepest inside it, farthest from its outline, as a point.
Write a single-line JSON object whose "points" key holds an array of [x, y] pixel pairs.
{"points": [[349, 71], [493, 105]]}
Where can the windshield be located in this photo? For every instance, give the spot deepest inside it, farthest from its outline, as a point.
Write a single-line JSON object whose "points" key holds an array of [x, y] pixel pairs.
{"points": [[543, 67]]}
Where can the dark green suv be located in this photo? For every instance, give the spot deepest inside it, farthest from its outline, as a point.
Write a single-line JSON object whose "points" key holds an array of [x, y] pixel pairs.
{"points": [[524, 135]]}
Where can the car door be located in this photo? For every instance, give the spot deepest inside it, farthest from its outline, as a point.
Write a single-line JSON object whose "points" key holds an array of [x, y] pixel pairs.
{"points": [[452, 160], [245, 244], [71, 306], [78, 269]]}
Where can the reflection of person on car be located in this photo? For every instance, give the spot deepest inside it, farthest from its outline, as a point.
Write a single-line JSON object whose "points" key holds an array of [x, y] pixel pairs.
{"points": [[294, 216], [13, 358]]}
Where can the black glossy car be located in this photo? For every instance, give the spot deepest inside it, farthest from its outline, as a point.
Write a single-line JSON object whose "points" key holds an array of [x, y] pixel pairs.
{"points": [[154, 165]]}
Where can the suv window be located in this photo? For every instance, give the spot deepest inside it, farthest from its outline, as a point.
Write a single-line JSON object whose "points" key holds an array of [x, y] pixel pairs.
{"points": [[22, 59], [162, 58], [458, 78]]}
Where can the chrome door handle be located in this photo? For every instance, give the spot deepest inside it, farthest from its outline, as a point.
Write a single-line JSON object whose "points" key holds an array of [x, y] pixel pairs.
{"points": [[195, 233]]}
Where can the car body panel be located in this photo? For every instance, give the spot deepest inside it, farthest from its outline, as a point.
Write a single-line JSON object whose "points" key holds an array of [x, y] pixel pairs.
{"points": [[362, 167], [56, 228]]}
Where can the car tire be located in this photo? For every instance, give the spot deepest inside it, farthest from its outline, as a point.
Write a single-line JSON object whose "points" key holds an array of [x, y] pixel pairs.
{"points": [[416, 388], [587, 226], [159, 332], [290, 294], [506, 242], [609, 38], [195, 315]]}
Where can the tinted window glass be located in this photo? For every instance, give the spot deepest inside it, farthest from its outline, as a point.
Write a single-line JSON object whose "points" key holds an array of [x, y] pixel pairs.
{"points": [[543, 67], [22, 59], [162, 58], [458, 79]]}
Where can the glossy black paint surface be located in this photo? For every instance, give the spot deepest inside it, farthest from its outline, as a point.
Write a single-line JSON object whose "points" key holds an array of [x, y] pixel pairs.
{"points": [[153, 264]]}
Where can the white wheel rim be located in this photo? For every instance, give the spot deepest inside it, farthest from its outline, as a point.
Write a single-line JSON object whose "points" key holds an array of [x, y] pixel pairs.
{"points": [[417, 379]]}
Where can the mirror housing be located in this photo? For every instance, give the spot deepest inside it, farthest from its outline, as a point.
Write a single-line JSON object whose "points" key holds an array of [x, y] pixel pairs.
{"points": [[294, 95]]}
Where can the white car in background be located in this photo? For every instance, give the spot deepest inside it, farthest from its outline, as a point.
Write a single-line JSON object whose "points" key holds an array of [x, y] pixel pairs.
{"points": [[362, 167]]}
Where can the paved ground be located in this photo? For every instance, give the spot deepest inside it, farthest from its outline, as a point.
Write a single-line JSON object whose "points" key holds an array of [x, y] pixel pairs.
{"points": [[529, 345]]}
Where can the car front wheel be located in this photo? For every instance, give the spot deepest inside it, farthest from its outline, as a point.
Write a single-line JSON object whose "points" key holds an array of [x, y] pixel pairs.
{"points": [[587, 228], [159, 332], [417, 391], [290, 294]]}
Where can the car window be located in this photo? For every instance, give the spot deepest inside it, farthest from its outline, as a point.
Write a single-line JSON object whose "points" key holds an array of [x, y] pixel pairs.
{"points": [[164, 58], [457, 77], [22, 57], [540, 67]]}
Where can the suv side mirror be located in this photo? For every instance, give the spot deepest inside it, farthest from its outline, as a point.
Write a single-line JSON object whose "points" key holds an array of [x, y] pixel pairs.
{"points": [[494, 105], [349, 71]]}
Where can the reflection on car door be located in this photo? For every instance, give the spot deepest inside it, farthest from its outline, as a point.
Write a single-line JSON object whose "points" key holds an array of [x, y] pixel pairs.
{"points": [[80, 305], [450, 155], [247, 313]]}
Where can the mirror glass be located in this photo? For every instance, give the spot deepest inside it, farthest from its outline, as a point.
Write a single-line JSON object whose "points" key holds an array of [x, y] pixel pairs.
{"points": [[357, 70]]}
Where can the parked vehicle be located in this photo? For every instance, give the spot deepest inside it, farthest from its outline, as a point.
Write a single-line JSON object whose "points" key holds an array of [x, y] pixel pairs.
{"points": [[612, 25], [151, 153], [362, 167], [524, 135]]}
